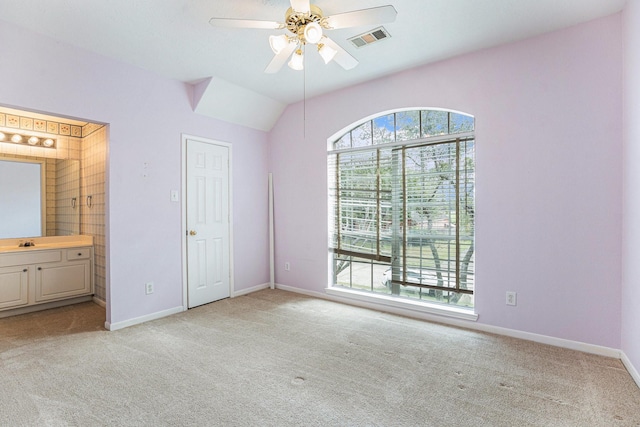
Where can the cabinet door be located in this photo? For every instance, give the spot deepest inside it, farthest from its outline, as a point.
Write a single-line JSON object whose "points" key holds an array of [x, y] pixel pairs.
{"points": [[62, 280], [14, 283]]}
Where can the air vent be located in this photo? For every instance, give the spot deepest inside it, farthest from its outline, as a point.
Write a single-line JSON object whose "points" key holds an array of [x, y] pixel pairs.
{"points": [[370, 37]]}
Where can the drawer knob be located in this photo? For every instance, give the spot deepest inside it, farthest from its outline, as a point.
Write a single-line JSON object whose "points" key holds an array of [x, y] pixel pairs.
{"points": [[39, 268], [25, 270], [79, 253]]}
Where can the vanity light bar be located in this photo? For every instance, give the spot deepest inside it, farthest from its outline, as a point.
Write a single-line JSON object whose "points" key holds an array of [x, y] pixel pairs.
{"points": [[35, 141]]}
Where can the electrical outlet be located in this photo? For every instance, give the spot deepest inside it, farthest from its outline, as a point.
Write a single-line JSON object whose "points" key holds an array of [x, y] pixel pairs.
{"points": [[287, 266], [148, 288], [511, 298]]}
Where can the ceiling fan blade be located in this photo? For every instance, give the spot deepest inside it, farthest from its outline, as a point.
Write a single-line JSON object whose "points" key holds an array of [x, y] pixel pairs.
{"points": [[278, 61], [356, 18], [301, 6], [342, 58], [244, 23]]}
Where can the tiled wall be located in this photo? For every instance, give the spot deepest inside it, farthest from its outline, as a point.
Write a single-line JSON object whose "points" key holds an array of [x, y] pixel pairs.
{"points": [[92, 219], [67, 198], [51, 175]]}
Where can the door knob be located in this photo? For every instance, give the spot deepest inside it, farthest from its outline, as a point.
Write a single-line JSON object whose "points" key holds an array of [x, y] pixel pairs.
{"points": [[193, 233]]}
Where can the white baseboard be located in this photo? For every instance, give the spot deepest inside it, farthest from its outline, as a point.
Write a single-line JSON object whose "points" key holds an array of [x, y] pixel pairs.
{"points": [[142, 319], [632, 370], [250, 290], [100, 302], [169, 312], [543, 339], [546, 339], [303, 292]]}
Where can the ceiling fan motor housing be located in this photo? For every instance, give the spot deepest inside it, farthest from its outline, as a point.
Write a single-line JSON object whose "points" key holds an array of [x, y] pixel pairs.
{"points": [[297, 21]]}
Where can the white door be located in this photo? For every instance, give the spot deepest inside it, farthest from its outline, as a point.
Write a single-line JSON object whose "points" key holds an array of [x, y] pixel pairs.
{"points": [[208, 230]]}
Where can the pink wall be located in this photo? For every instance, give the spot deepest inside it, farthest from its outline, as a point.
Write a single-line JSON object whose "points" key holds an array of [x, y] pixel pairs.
{"points": [[631, 225], [549, 191], [147, 115]]}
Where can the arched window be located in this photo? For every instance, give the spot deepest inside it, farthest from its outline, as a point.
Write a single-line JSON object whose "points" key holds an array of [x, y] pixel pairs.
{"points": [[402, 206]]}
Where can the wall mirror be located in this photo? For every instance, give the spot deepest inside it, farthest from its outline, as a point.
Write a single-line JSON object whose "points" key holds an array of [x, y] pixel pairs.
{"points": [[39, 197]]}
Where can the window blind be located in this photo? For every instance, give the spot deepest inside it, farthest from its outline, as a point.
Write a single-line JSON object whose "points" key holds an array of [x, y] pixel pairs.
{"points": [[434, 216], [360, 215], [409, 205]]}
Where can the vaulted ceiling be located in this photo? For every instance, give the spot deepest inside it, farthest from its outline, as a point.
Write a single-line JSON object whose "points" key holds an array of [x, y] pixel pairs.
{"points": [[174, 38]]}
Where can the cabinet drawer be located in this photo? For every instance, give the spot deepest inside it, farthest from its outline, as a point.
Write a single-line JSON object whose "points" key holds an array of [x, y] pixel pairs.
{"points": [[35, 257], [79, 253]]}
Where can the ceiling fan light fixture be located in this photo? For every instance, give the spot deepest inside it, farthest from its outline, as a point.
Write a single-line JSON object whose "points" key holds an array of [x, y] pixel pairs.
{"points": [[326, 52], [278, 43], [305, 24], [297, 61], [312, 32]]}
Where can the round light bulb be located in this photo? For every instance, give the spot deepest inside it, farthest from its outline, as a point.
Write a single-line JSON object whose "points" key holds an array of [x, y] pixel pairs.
{"points": [[312, 32], [16, 138], [2, 136], [33, 140], [48, 142], [326, 52], [297, 61], [278, 43]]}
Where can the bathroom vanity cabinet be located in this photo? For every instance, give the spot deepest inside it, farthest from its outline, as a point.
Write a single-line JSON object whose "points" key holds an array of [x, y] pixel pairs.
{"points": [[36, 276]]}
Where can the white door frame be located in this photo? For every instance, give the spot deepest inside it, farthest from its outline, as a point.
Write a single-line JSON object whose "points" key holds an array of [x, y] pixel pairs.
{"points": [[185, 137]]}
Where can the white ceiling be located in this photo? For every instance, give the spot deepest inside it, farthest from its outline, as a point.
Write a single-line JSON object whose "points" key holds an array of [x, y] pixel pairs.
{"points": [[173, 38]]}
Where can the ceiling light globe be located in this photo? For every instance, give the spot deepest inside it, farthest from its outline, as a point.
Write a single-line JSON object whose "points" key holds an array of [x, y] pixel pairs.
{"points": [[16, 138], [33, 140], [278, 43], [312, 32], [297, 61], [48, 142], [326, 52]]}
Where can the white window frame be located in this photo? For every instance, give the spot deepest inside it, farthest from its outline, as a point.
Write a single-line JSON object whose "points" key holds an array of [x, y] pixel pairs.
{"points": [[393, 301]]}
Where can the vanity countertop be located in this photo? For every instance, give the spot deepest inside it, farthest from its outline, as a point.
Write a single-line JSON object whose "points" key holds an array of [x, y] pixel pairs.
{"points": [[42, 243]]}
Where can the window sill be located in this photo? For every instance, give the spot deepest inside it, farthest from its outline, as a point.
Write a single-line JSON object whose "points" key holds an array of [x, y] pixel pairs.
{"points": [[402, 303]]}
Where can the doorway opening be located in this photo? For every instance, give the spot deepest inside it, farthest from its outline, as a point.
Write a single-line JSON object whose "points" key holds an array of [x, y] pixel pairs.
{"points": [[75, 169]]}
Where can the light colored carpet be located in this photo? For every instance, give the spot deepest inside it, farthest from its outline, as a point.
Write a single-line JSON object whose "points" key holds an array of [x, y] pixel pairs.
{"points": [[274, 358]]}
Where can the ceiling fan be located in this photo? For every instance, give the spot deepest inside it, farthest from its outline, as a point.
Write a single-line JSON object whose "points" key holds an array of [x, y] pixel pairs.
{"points": [[306, 24]]}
